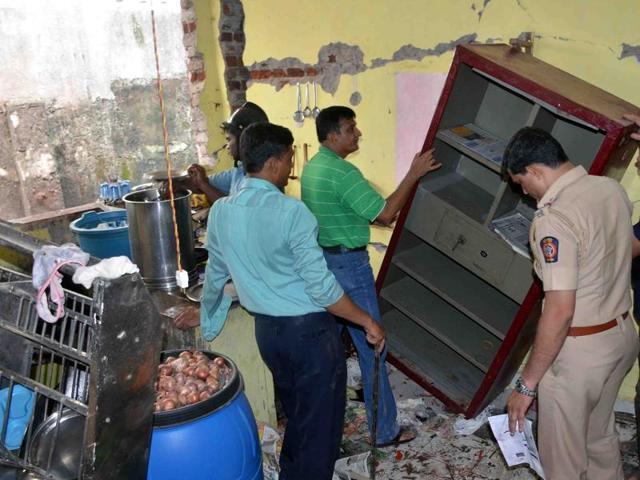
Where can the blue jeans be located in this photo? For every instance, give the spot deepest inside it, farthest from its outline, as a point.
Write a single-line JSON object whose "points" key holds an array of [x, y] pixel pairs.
{"points": [[354, 274], [306, 357]]}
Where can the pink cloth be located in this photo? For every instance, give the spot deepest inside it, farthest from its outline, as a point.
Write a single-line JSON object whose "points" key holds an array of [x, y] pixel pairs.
{"points": [[56, 293], [47, 261]]}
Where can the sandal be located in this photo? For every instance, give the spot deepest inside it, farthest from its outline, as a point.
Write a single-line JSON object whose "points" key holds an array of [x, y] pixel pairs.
{"points": [[405, 435]]}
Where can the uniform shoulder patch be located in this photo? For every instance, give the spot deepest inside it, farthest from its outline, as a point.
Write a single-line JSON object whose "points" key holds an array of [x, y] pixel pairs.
{"points": [[550, 248]]}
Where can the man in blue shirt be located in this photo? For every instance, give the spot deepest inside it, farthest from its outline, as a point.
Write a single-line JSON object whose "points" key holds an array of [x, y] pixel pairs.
{"points": [[226, 182], [266, 243]]}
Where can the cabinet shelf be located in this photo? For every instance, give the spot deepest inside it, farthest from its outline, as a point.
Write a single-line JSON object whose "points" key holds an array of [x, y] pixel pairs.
{"points": [[459, 287], [462, 194], [474, 142], [441, 366], [460, 333]]}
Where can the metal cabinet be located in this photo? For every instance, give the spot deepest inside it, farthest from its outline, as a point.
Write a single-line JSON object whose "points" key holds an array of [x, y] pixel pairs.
{"points": [[459, 303]]}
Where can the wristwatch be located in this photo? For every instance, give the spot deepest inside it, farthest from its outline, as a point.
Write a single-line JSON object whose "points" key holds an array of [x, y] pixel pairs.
{"points": [[524, 390]]}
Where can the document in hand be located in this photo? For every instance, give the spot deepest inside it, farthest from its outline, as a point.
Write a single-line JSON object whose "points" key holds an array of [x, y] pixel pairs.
{"points": [[519, 448]]}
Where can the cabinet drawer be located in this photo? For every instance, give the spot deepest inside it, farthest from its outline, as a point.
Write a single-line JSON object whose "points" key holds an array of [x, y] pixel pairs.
{"points": [[476, 248]]}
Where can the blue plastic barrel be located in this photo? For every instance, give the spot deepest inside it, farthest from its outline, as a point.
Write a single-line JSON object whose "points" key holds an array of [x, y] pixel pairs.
{"points": [[215, 439], [103, 234]]}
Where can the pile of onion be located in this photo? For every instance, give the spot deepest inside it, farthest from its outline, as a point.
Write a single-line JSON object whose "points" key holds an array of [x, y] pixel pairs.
{"points": [[188, 379]]}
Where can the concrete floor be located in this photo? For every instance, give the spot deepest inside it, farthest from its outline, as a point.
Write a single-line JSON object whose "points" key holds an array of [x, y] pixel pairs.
{"points": [[438, 453]]}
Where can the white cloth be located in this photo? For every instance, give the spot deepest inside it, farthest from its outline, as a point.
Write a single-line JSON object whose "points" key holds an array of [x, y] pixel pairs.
{"points": [[113, 267]]}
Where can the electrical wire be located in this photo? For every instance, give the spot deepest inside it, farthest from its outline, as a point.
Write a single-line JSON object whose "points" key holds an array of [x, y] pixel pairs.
{"points": [[165, 139]]}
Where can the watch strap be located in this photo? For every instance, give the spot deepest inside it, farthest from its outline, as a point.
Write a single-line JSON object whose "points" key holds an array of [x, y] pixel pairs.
{"points": [[521, 388]]}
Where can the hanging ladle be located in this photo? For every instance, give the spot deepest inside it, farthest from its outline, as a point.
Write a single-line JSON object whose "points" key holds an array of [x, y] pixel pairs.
{"points": [[316, 111], [298, 116], [307, 109]]}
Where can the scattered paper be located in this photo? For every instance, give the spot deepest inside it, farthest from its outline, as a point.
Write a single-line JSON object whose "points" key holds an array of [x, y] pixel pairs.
{"points": [[464, 426], [353, 468], [514, 229], [519, 448]]}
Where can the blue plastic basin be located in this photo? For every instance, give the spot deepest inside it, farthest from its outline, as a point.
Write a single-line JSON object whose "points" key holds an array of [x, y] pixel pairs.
{"points": [[103, 234]]}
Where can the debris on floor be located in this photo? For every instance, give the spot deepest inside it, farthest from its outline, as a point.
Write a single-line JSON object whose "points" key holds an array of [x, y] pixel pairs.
{"points": [[439, 452]]}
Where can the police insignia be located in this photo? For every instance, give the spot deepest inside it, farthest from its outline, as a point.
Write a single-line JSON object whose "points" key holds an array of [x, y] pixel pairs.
{"points": [[550, 247]]}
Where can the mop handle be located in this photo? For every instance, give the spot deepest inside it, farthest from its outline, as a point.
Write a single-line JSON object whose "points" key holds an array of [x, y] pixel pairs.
{"points": [[374, 416]]}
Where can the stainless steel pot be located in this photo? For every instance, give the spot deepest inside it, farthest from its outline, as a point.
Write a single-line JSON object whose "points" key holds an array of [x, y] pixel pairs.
{"points": [[57, 444], [153, 245]]}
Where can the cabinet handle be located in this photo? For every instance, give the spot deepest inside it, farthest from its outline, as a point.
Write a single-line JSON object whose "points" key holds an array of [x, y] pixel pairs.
{"points": [[483, 254], [461, 241]]}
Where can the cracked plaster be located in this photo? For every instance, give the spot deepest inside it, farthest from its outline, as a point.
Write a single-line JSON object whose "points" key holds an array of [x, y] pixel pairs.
{"points": [[337, 59], [630, 51]]}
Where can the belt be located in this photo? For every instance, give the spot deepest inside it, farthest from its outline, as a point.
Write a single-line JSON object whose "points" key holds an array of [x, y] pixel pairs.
{"points": [[591, 329], [343, 249]]}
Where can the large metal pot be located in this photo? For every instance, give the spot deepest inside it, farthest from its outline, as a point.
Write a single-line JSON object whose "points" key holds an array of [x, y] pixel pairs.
{"points": [[153, 245]]}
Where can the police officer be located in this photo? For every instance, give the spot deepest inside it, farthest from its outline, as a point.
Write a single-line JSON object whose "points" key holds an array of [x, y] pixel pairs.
{"points": [[585, 344]]}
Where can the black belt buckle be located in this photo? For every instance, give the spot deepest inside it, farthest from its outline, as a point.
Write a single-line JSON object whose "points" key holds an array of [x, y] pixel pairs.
{"points": [[337, 249]]}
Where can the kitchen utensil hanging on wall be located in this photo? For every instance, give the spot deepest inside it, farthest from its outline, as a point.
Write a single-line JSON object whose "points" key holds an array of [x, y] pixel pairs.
{"points": [[298, 116], [292, 174], [307, 109], [316, 111]]}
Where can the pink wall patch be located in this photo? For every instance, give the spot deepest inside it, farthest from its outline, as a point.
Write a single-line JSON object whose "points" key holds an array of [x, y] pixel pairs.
{"points": [[417, 96]]}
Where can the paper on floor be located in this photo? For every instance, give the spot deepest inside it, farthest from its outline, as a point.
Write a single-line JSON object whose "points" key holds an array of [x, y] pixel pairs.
{"points": [[353, 468], [519, 448]]}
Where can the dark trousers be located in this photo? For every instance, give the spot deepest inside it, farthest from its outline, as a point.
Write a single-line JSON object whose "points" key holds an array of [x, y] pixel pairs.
{"points": [[635, 285], [306, 357]]}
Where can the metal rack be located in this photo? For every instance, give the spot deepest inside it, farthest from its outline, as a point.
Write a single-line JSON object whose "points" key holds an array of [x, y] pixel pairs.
{"points": [[89, 375]]}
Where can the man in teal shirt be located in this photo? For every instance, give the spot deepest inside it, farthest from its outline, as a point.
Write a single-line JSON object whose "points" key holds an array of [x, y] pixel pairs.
{"points": [[345, 204], [266, 243]]}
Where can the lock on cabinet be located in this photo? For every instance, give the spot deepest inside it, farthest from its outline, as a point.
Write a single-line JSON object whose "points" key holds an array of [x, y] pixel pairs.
{"points": [[460, 303]]}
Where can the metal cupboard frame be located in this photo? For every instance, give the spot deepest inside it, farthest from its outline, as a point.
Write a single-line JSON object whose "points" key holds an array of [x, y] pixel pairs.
{"points": [[460, 306]]}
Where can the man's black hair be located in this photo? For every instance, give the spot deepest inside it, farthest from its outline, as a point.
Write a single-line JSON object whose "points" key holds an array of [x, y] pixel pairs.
{"points": [[261, 141], [328, 120], [532, 145]]}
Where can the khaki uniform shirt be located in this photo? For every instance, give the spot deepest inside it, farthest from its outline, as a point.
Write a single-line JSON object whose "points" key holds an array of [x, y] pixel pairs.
{"points": [[581, 240]]}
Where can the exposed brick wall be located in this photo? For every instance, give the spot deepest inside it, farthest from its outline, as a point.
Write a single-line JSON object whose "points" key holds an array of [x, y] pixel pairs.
{"points": [[232, 43], [197, 77]]}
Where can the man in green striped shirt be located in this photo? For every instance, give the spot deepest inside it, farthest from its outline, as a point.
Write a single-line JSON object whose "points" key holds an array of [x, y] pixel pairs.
{"points": [[344, 203]]}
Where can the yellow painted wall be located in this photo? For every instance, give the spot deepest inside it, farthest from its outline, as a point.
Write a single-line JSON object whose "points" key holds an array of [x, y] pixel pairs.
{"points": [[582, 37]]}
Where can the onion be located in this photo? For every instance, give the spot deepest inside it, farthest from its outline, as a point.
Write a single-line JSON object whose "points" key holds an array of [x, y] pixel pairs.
{"points": [[213, 383], [166, 383], [173, 396], [179, 364], [179, 378], [190, 378], [193, 397], [202, 373]]}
